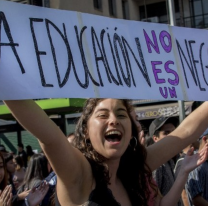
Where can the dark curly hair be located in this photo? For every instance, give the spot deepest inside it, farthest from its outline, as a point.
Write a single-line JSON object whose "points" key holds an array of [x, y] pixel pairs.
{"points": [[133, 171]]}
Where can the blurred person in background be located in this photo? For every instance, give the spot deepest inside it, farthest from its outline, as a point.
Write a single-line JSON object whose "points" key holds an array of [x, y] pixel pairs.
{"points": [[70, 137], [148, 141], [36, 195], [197, 184], [29, 152], [179, 162], [164, 176], [22, 154], [3, 149], [10, 166], [5, 189], [19, 171], [36, 172]]}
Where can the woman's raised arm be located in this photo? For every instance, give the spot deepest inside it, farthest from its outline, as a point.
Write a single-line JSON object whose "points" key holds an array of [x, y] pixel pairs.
{"points": [[64, 158], [186, 133]]}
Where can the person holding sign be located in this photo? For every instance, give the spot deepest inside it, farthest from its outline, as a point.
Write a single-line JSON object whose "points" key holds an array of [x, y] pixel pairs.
{"points": [[106, 166]]}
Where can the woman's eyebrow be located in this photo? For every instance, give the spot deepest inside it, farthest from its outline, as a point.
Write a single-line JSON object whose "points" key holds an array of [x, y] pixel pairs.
{"points": [[101, 110], [121, 109], [107, 110]]}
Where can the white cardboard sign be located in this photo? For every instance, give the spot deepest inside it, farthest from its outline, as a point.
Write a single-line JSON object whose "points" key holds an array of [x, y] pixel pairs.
{"points": [[48, 53]]}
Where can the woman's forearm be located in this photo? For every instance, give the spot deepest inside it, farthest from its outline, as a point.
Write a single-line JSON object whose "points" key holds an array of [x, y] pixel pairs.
{"points": [[173, 196]]}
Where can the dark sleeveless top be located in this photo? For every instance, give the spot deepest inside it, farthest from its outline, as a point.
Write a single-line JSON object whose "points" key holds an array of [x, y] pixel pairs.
{"points": [[100, 196]]}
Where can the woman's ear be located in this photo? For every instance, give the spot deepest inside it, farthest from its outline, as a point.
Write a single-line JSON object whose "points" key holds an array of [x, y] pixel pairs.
{"points": [[155, 138]]}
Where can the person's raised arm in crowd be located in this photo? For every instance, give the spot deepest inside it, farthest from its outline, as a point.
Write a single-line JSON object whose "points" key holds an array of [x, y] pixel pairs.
{"points": [[190, 162], [197, 184], [184, 196], [186, 133]]}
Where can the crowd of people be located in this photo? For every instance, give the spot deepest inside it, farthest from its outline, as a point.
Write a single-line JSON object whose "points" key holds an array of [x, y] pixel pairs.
{"points": [[22, 176], [107, 160], [166, 175]]}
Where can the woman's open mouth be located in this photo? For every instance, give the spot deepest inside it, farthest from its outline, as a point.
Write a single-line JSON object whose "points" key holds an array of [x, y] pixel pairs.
{"points": [[113, 136]]}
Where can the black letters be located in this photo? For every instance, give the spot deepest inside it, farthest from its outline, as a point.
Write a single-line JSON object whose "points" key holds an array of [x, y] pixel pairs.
{"points": [[126, 79], [202, 67], [11, 41], [70, 59], [195, 61], [181, 53], [144, 70], [38, 53], [94, 37], [114, 60], [107, 68], [79, 41]]}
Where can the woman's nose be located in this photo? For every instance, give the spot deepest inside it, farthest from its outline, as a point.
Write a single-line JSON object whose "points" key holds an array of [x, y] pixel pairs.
{"points": [[114, 120]]}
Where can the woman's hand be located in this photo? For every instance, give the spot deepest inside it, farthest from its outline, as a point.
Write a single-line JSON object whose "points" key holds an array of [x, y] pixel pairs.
{"points": [[37, 194], [191, 161], [23, 194], [6, 196]]}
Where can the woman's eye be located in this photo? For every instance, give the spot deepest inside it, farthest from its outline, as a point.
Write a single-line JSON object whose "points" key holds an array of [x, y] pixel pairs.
{"points": [[122, 115], [102, 115]]}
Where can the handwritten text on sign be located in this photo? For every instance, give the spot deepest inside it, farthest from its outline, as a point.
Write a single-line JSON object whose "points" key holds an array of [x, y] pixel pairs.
{"points": [[47, 53]]}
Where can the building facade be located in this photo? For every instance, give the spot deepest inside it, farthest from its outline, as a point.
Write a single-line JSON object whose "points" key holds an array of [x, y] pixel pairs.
{"points": [[188, 13]]}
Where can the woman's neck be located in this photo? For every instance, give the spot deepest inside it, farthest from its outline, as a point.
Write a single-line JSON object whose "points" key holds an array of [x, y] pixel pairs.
{"points": [[113, 168]]}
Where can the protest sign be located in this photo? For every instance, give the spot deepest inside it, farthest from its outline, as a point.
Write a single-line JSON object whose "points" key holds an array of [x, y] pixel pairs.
{"points": [[48, 53]]}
